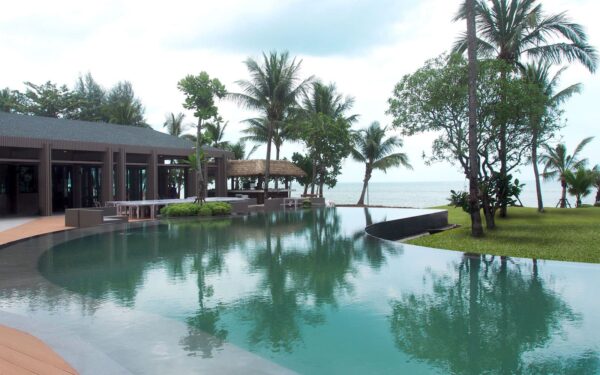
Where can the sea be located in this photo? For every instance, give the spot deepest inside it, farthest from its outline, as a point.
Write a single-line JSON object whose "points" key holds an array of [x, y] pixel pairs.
{"points": [[430, 194]]}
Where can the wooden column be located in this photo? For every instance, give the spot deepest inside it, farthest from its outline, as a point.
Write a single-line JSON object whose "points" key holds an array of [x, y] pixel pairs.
{"points": [[107, 176], [190, 182], [77, 185], [152, 177], [45, 180], [121, 176], [221, 177]]}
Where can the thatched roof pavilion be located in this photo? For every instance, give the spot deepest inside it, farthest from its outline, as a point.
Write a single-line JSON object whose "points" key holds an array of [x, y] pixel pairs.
{"points": [[256, 168]]}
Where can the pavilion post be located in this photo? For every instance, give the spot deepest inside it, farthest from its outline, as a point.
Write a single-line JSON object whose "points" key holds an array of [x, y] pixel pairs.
{"points": [[45, 180], [121, 175], [152, 176], [107, 176]]}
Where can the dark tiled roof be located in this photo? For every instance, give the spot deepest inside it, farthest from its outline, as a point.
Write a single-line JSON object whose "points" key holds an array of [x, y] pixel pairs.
{"points": [[12, 125]]}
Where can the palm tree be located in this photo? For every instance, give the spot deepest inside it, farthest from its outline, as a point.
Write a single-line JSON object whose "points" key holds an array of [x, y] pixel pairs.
{"points": [[596, 172], [511, 29], [258, 132], [376, 152], [215, 132], [239, 153], [174, 124], [323, 100], [540, 123], [557, 163], [474, 211], [580, 183], [273, 89]]}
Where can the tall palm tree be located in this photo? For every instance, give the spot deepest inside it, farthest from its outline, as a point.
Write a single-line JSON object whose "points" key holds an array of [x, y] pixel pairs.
{"points": [[557, 163], [377, 153], [474, 211], [174, 124], [273, 88], [580, 183], [323, 100], [512, 29], [538, 73]]}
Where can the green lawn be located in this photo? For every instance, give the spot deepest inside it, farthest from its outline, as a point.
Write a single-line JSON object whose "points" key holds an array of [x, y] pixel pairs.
{"points": [[561, 234]]}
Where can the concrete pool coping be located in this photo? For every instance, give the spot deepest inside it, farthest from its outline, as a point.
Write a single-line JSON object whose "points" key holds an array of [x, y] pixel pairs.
{"points": [[19, 271]]}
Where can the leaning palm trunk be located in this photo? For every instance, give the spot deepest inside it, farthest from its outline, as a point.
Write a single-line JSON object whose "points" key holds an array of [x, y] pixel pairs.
{"points": [[361, 200], [536, 172], [476, 227], [200, 188]]}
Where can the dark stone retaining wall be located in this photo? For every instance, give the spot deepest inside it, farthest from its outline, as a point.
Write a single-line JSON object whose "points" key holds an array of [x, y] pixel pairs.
{"points": [[394, 230]]}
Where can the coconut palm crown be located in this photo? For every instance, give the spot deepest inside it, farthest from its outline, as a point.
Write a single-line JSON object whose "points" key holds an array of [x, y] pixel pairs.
{"points": [[512, 29], [377, 153], [273, 88]]}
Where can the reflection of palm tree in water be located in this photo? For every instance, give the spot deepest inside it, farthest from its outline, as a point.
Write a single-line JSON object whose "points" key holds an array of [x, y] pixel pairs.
{"points": [[483, 319], [204, 333]]}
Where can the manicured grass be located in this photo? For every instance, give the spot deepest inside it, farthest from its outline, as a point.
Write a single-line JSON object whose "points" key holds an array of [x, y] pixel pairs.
{"points": [[560, 234]]}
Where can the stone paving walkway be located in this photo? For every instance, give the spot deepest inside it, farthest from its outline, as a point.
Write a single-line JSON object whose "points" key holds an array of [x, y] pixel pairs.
{"points": [[32, 227]]}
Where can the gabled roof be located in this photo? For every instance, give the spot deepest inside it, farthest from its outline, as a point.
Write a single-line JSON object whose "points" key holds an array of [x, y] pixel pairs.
{"points": [[61, 130]]}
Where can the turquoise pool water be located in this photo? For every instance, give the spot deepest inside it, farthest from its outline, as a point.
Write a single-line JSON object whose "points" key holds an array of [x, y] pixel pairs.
{"points": [[311, 292]]}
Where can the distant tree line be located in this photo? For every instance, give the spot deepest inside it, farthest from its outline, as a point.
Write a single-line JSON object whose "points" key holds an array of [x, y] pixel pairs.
{"points": [[87, 100]]}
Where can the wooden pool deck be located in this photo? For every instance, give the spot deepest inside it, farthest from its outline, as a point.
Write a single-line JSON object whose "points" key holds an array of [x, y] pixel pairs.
{"points": [[21, 353], [35, 227]]}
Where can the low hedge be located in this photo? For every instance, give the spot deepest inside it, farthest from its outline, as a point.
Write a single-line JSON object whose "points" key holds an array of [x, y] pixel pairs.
{"points": [[194, 209]]}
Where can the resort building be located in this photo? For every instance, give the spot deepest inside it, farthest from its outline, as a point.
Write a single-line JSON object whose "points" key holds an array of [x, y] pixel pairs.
{"points": [[50, 164]]}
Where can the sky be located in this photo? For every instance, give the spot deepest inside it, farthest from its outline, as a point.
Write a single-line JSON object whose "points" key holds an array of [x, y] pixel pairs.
{"points": [[364, 46]]}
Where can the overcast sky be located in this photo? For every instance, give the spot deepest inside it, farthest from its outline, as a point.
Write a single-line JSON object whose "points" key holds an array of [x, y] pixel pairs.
{"points": [[365, 47]]}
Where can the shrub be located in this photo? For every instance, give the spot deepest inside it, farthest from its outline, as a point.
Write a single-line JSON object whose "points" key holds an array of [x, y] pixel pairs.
{"points": [[219, 208], [205, 211], [193, 209], [306, 203], [459, 199], [180, 209]]}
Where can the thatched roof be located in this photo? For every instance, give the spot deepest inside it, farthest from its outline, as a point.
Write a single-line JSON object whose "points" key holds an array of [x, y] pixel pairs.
{"points": [[255, 168]]}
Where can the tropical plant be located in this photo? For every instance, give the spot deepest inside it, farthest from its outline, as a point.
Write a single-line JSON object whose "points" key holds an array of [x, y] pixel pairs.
{"points": [[122, 107], [91, 99], [557, 163], [512, 29], [372, 148], [257, 131], [596, 171], [321, 103], [273, 88], [543, 119], [200, 92], [48, 100], [580, 183], [305, 163], [459, 199], [174, 124], [215, 132], [9, 100], [240, 153]]}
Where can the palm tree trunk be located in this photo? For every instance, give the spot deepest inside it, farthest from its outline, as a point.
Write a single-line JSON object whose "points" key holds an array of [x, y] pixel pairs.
{"points": [[200, 188], [268, 161], [314, 178], [306, 188], [476, 227], [563, 196], [361, 200], [598, 195], [536, 172], [503, 155], [277, 158]]}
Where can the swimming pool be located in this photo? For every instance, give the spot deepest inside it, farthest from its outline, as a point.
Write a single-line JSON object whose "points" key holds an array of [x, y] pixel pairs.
{"points": [[309, 292]]}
